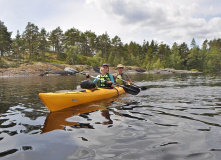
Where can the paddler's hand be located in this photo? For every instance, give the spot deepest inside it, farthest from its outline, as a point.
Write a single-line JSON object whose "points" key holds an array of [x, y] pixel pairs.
{"points": [[109, 83], [115, 76], [87, 76]]}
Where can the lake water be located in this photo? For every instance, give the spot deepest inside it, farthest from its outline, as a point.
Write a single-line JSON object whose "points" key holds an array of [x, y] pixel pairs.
{"points": [[177, 118]]}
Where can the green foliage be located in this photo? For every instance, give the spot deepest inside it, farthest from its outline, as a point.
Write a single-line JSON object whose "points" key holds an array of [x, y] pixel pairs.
{"points": [[7, 64], [195, 70], [5, 40], [193, 43], [111, 59], [92, 62], [56, 39], [157, 64], [149, 66], [72, 53], [76, 47], [131, 61], [194, 58], [97, 59], [213, 60], [122, 61], [175, 60], [30, 37], [43, 44], [3, 64]]}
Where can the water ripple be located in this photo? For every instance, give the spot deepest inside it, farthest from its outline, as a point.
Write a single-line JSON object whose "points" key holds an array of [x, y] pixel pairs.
{"points": [[177, 117]]}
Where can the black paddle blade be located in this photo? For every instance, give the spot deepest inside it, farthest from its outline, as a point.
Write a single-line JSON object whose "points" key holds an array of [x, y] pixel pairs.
{"points": [[96, 69], [131, 89], [143, 88]]}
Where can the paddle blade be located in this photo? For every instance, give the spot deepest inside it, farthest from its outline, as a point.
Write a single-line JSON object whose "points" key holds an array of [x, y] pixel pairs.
{"points": [[96, 69], [131, 89], [71, 70], [143, 88]]}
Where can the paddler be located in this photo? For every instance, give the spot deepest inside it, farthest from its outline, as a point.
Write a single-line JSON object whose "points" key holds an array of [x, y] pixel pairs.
{"points": [[120, 75], [107, 79]]}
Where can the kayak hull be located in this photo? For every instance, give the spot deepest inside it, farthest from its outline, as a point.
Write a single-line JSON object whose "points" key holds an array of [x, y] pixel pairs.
{"points": [[59, 101]]}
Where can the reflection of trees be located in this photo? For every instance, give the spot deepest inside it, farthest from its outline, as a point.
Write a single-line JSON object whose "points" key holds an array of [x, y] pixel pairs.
{"points": [[24, 90], [9, 124], [34, 129], [83, 125]]}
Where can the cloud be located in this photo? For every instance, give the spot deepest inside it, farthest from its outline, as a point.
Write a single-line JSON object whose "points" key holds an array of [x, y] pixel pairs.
{"points": [[169, 21]]}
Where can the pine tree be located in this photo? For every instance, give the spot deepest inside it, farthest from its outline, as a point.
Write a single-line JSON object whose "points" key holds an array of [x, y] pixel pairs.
{"points": [[43, 43], [5, 40], [30, 35]]}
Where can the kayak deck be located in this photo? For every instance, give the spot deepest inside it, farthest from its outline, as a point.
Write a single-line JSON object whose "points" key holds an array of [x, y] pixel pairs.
{"points": [[62, 100]]}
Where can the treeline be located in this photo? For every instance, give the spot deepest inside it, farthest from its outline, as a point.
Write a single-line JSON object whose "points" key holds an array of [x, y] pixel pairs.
{"points": [[76, 47]]}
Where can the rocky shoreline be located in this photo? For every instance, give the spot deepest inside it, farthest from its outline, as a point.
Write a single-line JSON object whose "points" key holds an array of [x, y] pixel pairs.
{"points": [[51, 69], [171, 71]]}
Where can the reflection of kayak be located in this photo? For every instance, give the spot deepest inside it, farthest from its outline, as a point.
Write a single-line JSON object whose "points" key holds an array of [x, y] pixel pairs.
{"points": [[57, 120], [59, 101]]}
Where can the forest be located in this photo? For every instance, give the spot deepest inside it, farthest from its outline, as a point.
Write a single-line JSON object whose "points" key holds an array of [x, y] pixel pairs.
{"points": [[86, 48]]}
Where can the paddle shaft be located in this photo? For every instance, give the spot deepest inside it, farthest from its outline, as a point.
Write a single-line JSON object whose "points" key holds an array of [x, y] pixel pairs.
{"points": [[142, 87]]}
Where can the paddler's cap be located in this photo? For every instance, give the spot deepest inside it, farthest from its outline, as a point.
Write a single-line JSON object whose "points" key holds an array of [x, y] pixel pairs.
{"points": [[105, 64], [120, 66]]}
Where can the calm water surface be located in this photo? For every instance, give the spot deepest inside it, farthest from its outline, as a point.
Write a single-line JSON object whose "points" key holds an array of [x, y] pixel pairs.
{"points": [[177, 118]]}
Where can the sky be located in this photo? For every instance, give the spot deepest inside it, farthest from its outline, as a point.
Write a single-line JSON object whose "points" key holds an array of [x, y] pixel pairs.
{"points": [[164, 21]]}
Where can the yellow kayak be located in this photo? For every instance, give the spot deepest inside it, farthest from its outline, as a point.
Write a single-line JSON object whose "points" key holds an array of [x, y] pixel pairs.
{"points": [[62, 100]]}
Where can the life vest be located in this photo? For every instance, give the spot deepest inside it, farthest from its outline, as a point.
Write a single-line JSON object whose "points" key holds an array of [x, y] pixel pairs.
{"points": [[118, 81], [121, 76], [102, 82]]}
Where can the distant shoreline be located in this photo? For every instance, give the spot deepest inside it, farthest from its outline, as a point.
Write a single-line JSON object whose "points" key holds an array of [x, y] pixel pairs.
{"points": [[52, 69]]}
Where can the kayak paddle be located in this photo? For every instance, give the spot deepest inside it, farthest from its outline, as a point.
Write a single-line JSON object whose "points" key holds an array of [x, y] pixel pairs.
{"points": [[97, 69], [128, 88]]}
